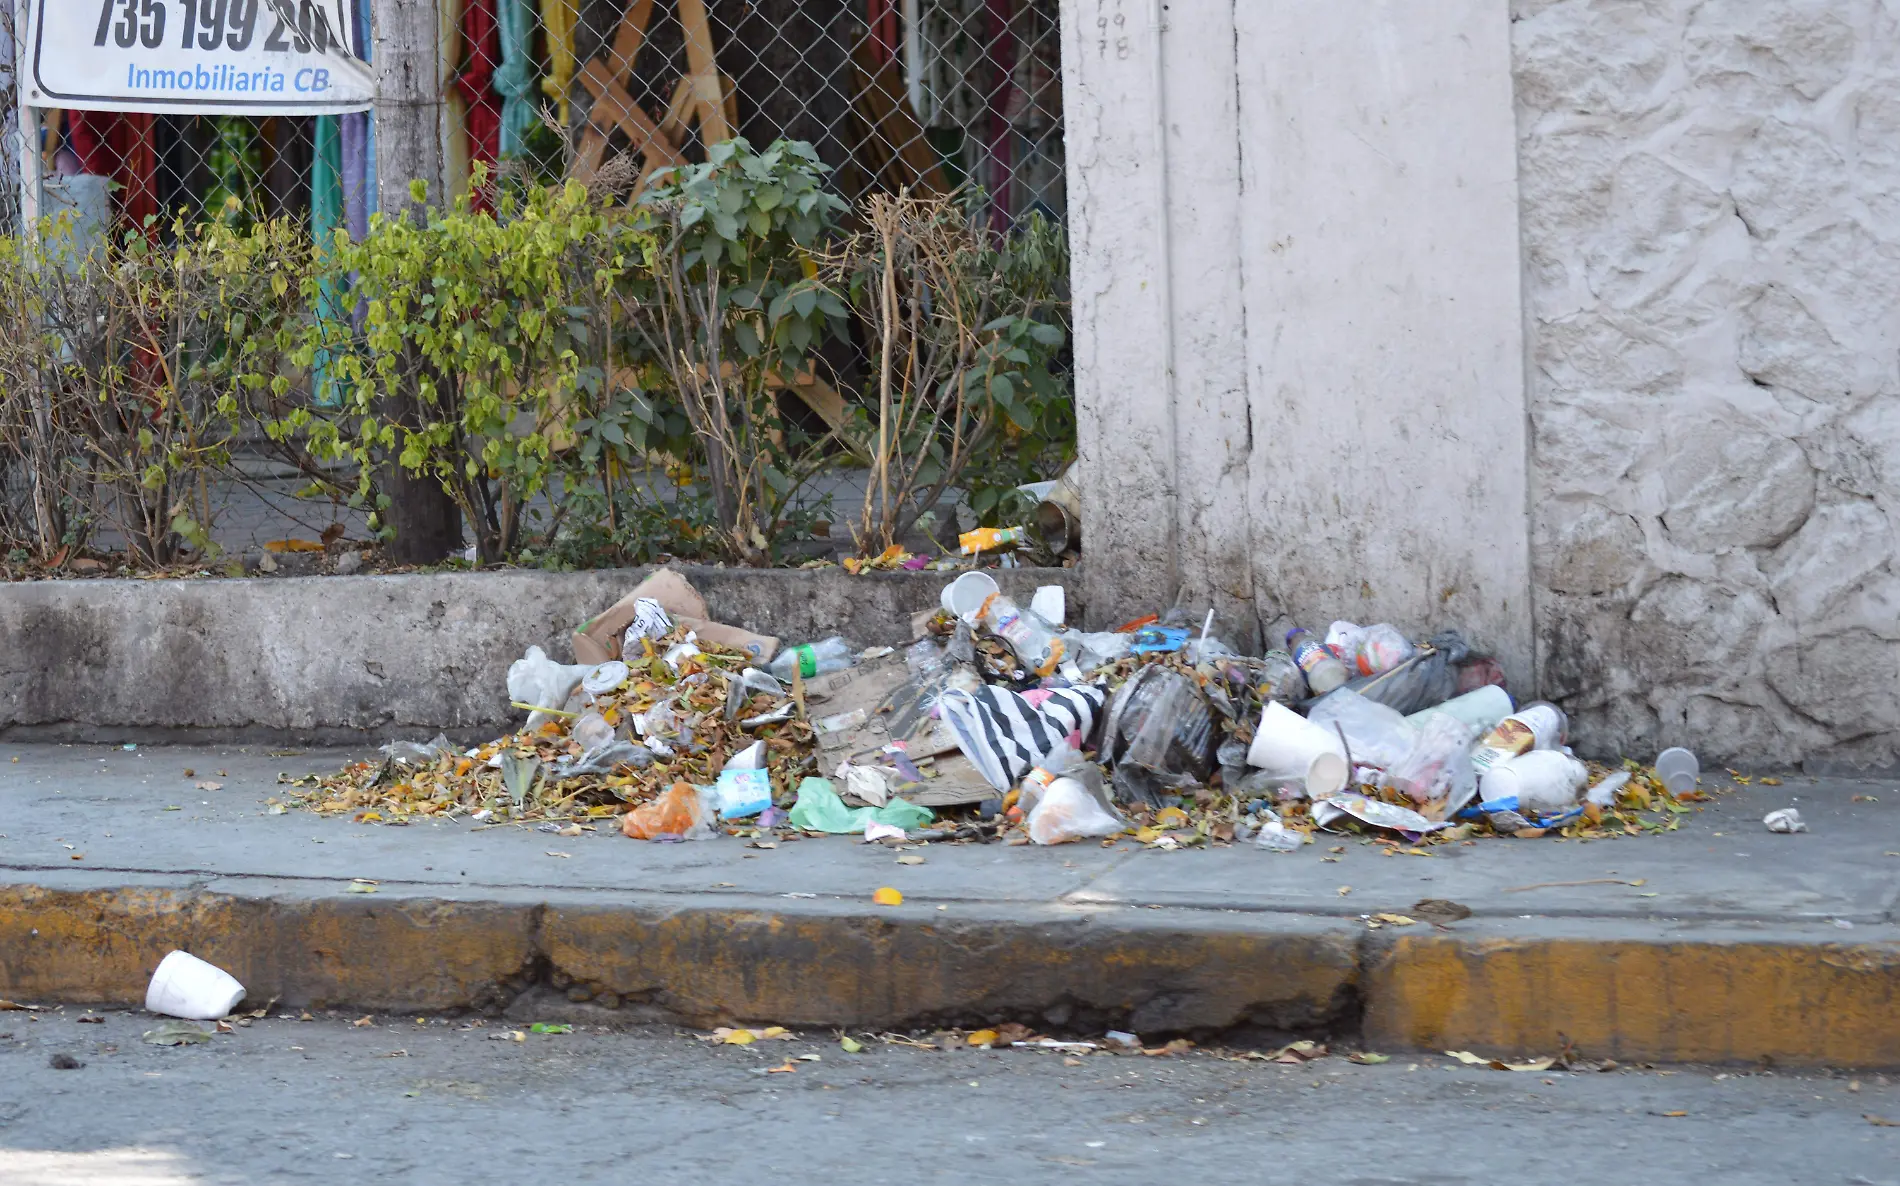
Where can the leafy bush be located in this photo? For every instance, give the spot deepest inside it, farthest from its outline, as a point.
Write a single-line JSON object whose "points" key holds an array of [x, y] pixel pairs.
{"points": [[120, 375], [504, 333], [731, 309], [962, 339]]}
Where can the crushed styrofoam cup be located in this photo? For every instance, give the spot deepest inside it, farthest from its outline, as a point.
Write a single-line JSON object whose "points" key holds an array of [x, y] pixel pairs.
{"points": [[1786, 819], [186, 986]]}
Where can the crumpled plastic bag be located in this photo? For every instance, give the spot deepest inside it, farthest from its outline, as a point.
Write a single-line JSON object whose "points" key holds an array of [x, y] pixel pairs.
{"points": [[1429, 677], [1437, 770], [604, 759], [1376, 734], [1066, 811], [1374, 812], [819, 809], [537, 680], [414, 753], [1784, 820], [679, 811]]}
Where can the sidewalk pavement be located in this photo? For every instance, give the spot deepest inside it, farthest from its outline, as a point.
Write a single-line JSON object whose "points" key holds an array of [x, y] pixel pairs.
{"points": [[1732, 945]]}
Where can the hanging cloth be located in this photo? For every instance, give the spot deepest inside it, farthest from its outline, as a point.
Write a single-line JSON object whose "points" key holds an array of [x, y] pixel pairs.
{"points": [[515, 79], [558, 18], [120, 145], [359, 148], [353, 140], [326, 215], [326, 183], [481, 49]]}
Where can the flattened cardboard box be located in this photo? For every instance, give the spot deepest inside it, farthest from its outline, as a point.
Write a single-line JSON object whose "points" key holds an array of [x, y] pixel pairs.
{"points": [[881, 690], [598, 639]]}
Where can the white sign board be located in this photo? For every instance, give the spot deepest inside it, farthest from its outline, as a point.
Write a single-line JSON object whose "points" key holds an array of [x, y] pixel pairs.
{"points": [[196, 57]]}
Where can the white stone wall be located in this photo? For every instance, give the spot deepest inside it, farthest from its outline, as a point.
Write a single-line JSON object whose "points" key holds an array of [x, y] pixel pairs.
{"points": [[1711, 229]]}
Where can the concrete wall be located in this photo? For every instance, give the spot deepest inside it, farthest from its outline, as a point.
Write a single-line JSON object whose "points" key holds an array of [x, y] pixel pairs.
{"points": [[1711, 212], [1384, 336], [1572, 323], [367, 657], [1298, 338]]}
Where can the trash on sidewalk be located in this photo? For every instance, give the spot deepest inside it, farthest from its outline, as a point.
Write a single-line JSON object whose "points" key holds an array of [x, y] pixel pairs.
{"points": [[680, 812], [1001, 721], [819, 809], [185, 986], [1678, 769], [1785, 819], [1065, 811], [603, 637]]}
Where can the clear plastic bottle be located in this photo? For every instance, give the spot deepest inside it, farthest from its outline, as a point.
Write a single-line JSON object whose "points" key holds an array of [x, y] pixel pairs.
{"points": [[1035, 642], [1281, 678], [814, 659], [926, 662], [1324, 671]]}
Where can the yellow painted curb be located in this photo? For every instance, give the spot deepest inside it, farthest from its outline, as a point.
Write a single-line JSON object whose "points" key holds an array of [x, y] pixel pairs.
{"points": [[1805, 1004]]}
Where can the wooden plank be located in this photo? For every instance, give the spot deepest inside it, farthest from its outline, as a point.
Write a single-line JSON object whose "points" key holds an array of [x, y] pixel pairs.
{"points": [[703, 68], [883, 103], [629, 37]]}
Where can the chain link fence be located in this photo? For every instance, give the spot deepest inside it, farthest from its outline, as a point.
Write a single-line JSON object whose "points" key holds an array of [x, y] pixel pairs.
{"points": [[932, 96]]}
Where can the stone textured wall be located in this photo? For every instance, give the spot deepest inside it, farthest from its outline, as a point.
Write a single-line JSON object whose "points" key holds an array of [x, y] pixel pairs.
{"points": [[1711, 228]]}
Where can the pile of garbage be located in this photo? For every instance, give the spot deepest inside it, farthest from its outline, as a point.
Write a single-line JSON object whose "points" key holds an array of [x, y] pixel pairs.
{"points": [[999, 723]]}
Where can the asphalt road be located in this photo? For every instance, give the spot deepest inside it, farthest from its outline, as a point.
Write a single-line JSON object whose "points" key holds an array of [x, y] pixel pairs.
{"points": [[447, 1101]]}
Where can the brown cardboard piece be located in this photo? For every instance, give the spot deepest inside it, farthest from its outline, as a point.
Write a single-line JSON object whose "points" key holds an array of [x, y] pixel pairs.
{"points": [[875, 703], [598, 638]]}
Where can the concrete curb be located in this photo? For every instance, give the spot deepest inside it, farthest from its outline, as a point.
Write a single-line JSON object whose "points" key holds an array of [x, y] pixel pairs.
{"points": [[1742, 994], [317, 660]]}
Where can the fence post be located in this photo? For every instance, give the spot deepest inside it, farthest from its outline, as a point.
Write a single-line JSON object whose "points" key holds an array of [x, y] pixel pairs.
{"points": [[29, 122], [408, 64], [408, 112]]}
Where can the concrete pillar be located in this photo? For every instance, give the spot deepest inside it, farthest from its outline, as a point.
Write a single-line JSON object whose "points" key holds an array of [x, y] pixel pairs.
{"points": [[1299, 338], [1383, 295], [1154, 156]]}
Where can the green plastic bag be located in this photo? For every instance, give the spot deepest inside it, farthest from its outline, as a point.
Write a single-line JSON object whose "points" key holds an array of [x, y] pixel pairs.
{"points": [[820, 810]]}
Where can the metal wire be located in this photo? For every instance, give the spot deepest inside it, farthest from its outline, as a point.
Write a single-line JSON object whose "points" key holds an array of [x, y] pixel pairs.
{"points": [[925, 94]]}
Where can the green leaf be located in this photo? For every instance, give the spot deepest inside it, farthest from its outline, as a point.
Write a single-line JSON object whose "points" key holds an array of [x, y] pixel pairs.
{"points": [[748, 339], [1002, 390]]}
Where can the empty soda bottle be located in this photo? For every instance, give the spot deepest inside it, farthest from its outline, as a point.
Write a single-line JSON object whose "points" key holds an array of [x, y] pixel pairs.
{"points": [[1324, 671]]}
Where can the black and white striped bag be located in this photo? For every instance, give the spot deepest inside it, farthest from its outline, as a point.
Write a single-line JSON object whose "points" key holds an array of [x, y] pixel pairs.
{"points": [[1005, 736]]}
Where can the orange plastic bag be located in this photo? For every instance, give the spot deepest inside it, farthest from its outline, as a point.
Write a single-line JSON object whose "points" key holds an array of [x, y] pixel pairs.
{"points": [[677, 812]]}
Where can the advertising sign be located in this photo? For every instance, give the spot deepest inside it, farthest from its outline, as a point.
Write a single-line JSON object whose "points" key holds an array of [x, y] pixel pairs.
{"points": [[197, 57]]}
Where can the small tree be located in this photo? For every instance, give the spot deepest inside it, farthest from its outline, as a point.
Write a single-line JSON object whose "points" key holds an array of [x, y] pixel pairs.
{"points": [[731, 308], [962, 340]]}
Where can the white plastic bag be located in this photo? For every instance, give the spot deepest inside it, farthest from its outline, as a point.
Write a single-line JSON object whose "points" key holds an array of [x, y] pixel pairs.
{"points": [[1066, 811], [1376, 735], [1437, 769], [536, 680]]}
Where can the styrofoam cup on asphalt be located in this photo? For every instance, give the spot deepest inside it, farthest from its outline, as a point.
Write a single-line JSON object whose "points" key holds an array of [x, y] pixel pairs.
{"points": [[1676, 769], [1287, 745], [964, 597], [186, 986], [1542, 782]]}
